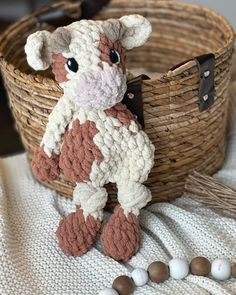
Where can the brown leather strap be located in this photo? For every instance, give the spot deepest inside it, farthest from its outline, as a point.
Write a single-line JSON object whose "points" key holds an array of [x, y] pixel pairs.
{"points": [[133, 97], [206, 65]]}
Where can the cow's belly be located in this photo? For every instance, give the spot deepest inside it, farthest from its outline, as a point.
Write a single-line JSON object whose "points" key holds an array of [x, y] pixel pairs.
{"points": [[105, 150], [79, 151], [127, 154]]}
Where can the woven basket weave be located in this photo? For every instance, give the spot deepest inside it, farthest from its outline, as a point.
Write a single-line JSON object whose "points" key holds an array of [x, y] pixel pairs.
{"points": [[184, 137]]}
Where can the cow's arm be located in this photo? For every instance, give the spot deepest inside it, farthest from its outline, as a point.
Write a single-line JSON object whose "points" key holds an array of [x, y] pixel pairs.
{"points": [[45, 163]]}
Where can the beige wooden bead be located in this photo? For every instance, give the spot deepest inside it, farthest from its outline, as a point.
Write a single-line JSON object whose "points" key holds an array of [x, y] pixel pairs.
{"points": [[124, 285], [158, 272], [233, 270], [200, 266]]}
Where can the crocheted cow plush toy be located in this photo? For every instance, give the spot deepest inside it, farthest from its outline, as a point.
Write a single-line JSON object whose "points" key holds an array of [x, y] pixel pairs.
{"points": [[91, 136]]}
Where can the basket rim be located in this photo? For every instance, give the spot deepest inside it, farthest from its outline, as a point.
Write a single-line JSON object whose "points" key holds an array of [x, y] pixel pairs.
{"points": [[37, 77]]}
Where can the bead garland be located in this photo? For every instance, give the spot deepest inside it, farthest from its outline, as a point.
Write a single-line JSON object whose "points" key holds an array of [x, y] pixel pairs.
{"points": [[158, 272]]}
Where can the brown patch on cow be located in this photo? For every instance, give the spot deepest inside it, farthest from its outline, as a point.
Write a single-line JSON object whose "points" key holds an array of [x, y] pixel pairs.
{"points": [[105, 45], [121, 112], [58, 67], [43, 167], [79, 151]]}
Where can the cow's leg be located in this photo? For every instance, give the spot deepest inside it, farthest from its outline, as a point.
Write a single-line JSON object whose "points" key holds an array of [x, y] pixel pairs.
{"points": [[77, 232], [121, 235]]}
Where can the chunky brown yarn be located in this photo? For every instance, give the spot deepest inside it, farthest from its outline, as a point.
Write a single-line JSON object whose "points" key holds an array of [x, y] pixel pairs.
{"points": [[105, 45], [79, 151], [43, 167], [58, 67], [123, 114], [76, 234], [121, 235]]}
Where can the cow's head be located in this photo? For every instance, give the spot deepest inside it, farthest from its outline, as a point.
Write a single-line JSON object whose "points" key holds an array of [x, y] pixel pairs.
{"points": [[88, 57]]}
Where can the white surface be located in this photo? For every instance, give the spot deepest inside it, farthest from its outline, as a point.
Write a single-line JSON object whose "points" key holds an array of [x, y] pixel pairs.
{"points": [[31, 262], [226, 8]]}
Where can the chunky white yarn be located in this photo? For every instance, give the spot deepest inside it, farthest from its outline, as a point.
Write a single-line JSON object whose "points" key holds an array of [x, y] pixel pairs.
{"points": [[100, 90], [137, 31], [91, 199], [58, 120], [84, 36], [35, 51], [128, 159], [133, 196], [94, 86]]}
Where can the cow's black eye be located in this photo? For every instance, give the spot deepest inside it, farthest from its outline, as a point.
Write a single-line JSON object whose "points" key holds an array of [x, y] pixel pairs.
{"points": [[72, 65], [114, 56]]}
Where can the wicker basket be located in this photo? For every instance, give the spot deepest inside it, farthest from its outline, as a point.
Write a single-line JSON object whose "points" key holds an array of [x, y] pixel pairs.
{"points": [[185, 138]]}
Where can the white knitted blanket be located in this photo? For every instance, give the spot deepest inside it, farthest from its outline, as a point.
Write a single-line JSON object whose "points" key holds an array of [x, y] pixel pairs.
{"points": [[32, 263]]}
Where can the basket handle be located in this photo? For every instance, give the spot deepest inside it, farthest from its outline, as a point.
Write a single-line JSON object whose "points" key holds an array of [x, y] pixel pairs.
{"points": [[62, 13], [206, 89]]}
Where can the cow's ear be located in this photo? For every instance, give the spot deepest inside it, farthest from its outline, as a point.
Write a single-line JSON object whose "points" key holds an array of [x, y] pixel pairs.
{"points": [[113, 29], [37, 50], [136, 30], [60, 40], [41, 45]]}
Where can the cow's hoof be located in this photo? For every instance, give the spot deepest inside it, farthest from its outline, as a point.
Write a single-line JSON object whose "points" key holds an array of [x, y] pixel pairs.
{"points": [[77, 235], [121, 235]]}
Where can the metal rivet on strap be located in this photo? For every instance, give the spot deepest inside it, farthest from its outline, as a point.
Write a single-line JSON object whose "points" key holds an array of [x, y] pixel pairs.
{"points": [[205, 97], [130, 95], [207, 74]]}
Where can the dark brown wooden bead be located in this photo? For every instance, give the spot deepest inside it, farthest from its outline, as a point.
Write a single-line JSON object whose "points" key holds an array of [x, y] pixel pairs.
{"points": [[200, 266], [233, 270], [158, 272], [123, 285]]}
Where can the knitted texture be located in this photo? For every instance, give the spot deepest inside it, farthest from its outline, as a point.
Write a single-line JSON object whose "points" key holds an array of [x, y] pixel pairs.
{"points": [[106, 45], [91, 199], [73, 228], [121, 235], [79, 151], [122, 114], [95, 137], [100, 90], [58, 121], [58, 67], [44, 167], [31, 262]]}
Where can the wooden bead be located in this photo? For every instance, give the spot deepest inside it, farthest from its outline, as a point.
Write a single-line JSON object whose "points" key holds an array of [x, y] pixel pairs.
{"points": [[221, 269], [108, 291], [200, 266], [179, 268], [233, 270], [123, 285], [158, 272], [139, 276]]}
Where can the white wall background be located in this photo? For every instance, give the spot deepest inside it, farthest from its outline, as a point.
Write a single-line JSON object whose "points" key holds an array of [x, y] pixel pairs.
{"points": [[224, 7]]}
